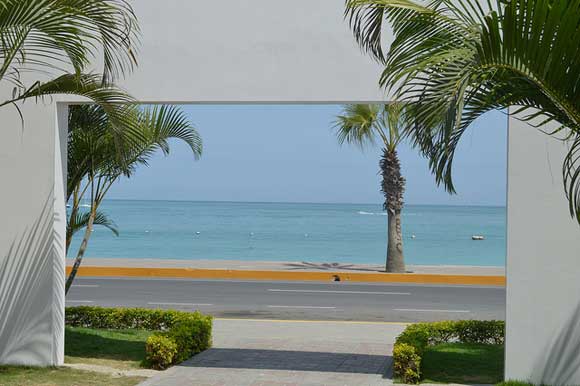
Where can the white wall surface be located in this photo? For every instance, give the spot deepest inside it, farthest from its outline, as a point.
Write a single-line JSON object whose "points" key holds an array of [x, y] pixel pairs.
{"points": [[31, 238], [272, 51], [543, 263], [192, 51], [250, 50]]}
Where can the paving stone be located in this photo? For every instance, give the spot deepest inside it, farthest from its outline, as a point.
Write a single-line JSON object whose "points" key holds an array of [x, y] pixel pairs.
{"points": [[262, 353]]}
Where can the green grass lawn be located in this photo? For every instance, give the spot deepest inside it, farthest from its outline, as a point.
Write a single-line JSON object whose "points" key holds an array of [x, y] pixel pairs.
{"points": [[463, 363], [122, 349], [28, 376]]}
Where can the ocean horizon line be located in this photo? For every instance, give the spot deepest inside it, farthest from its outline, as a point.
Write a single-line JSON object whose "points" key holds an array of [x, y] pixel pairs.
{"points": [[304, 202]]}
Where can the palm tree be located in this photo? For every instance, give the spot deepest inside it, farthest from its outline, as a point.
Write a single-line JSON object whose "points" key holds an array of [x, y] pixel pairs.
{"points": [[362, 125], [95, 164], [452, 61], [46, 46]]}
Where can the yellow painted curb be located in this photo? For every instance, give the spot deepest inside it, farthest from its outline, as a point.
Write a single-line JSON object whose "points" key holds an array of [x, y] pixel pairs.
{"points": [[377, 277]]}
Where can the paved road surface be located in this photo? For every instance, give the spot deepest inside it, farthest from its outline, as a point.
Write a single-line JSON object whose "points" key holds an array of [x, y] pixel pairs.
{"points": [[295, 300]]}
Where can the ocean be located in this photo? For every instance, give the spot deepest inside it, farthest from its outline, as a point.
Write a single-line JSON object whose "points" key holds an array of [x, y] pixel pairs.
{"points": [[342, 233]]}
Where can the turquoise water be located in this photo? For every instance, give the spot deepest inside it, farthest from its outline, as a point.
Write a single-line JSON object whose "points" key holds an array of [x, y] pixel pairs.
{"points": [[344, 233]]}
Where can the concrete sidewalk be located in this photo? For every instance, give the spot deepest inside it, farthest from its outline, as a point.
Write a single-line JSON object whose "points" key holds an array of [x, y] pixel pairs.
{"points": [[294, 266], [275, 353], [287, 271]]}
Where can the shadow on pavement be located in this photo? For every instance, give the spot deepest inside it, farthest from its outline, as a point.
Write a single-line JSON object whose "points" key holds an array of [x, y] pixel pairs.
{"points": [[291, 360], [305, 265]]}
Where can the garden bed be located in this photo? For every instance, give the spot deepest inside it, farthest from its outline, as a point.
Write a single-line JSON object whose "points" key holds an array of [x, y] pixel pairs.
{"points": [[466, 363], [451, 351], [119, 339], [120, 349], [172, 336]]}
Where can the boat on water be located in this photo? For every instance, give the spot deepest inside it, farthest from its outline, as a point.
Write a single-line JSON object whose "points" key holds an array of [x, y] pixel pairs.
{"points": [[477, 237]]}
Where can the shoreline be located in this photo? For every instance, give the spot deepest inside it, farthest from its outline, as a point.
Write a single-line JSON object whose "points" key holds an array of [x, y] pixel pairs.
{"points": [[287, 271]]}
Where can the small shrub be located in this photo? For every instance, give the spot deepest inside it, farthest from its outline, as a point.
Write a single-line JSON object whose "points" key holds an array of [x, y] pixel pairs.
{"points": [[407, 363], [477, 331], [182, 334], [160, 351], [410, 345], [192, 336]]}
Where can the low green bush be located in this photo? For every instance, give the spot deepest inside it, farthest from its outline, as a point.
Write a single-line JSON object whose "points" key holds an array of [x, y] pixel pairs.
{"points": [[412, 342], [160, 351], [406, 363], [191, 337], [180, 334], [122, 318]]}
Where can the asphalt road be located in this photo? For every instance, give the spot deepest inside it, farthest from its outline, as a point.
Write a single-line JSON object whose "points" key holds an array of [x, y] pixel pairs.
{"points": [[295, 300]]}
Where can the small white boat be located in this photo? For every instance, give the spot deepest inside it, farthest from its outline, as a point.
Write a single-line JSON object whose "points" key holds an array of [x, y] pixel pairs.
{"points": [[477, 237]]}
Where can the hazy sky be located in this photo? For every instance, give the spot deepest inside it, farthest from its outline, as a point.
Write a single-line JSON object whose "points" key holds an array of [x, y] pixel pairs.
{"points": [[289, 153]]}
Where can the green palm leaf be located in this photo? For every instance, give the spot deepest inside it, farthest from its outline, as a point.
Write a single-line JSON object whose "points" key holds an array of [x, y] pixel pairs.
{"points": [[81, 220], [53, 41], [453, 61], [93, 136], [39, 35], [364, 124]]}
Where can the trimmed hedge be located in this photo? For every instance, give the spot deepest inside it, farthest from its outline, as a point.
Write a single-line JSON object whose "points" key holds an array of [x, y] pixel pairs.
{"points": [[179, 335], [411, 344], [161, 351]]}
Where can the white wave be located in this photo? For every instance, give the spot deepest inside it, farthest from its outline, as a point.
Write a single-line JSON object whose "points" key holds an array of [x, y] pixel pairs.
{"points": [[371, 213]]}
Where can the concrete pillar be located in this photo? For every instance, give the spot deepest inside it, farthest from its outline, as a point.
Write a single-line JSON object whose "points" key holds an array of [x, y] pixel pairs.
{"points": [[32, 224], [543, 263]]}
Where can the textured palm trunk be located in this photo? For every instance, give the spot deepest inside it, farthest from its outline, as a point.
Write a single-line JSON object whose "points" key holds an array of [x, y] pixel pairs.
{"points": [[69, 228], [393, 187], [395, 258], [73, 213], [82, 249]]}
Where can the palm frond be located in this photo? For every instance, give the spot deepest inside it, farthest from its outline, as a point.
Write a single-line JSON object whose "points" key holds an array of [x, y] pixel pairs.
{"points": [[364, 124], [93, 140], [453, 61], [42, 35], [165, 122], [357, 124], [571, 174], [114, 101], [81, 220]]}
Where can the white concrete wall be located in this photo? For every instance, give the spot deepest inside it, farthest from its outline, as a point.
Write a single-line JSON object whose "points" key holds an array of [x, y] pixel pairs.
{"points": [[248, 51], [272, 51], [193, 51], [31, 237], [543, 263]]}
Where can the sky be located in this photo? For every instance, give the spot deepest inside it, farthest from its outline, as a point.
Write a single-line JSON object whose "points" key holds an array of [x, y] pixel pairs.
{"points": [[289, 153]]}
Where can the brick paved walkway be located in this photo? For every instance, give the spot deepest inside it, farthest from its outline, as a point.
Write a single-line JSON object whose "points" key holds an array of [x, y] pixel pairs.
{"points": [[273, 353]]}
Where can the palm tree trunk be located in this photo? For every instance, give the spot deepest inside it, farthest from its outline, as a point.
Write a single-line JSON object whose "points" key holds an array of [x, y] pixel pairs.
{"points": [[393, 187], [82, 249], [395, 258], [72, 216], [69, 229]]}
